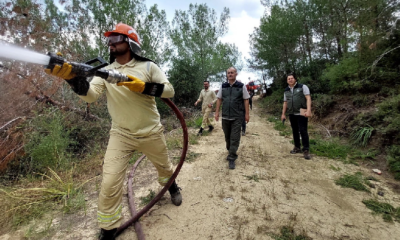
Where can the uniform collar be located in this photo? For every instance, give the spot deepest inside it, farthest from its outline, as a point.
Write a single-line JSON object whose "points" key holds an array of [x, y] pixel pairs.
{"points": [[131, 63]]}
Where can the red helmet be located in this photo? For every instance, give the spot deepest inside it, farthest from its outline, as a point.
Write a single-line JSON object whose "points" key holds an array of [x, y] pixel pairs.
{"points": [[126, 30]]}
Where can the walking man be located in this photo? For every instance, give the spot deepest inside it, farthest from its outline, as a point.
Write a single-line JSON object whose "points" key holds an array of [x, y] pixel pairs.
{"points": [[235, 106], [297, 96], [209, 98], [135, 120]]}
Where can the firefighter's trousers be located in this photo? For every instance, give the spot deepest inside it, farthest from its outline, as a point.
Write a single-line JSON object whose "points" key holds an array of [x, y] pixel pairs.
{"points": [[206, 113], [120, 149]]}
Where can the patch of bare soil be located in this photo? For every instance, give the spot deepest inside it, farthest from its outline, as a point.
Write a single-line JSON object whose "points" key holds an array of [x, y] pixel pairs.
{"points": [[270, 188]]}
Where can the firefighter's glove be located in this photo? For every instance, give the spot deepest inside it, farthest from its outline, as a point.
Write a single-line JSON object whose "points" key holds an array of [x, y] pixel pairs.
{"points": [[63, 71], [137, 85]]}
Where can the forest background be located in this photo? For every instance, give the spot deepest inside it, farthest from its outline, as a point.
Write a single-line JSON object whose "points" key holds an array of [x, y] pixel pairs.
{"points": [[347, 52]]}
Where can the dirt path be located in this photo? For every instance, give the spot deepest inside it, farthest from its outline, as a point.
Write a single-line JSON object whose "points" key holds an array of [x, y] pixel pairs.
{"points": [[269, 189]]}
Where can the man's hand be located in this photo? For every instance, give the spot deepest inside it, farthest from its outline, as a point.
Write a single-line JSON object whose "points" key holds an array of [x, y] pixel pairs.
{"points": [[136, 85], [216, 116], [307, 113], [210, 105], [283, 117], [63, 72], [247, 118], [195, 103]]}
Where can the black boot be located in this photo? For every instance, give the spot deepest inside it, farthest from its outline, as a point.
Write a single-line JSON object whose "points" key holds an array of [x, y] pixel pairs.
{"points": [[107, 234], [176, 196], [200, 132], [210, 128]]}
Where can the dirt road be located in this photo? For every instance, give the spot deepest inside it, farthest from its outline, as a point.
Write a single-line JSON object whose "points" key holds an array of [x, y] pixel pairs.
{"points": [[270, 188]]}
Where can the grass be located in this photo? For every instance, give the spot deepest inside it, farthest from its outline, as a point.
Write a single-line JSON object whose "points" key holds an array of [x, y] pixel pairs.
{"points": [[190, 157], [355, 181], [253, 177], [331, 148], [21, 205], [388, 211], [288, 233], [361, 135], [283, 128], [147, 199]]}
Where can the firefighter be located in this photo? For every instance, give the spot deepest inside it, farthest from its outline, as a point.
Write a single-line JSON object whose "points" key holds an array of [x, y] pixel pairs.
{"points": [[209, 98], [136, 122]]}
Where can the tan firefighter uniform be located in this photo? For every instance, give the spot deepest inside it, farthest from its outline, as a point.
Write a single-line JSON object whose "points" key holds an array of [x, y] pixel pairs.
{"points": [[208, 97], [135, 126]]}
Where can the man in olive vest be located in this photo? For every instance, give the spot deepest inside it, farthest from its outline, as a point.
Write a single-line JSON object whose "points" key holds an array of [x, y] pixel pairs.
{"points": [[297, 96], [235, 106]]}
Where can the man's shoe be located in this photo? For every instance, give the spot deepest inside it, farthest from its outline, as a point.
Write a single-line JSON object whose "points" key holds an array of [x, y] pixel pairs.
{"points": [[200, 132], [210, 128], [107, 234], [243, 133], [295, 150], [231, 164], [307, 154], [176, 196]]}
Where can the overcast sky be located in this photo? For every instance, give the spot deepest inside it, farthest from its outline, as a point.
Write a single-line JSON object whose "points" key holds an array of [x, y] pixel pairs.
{"points": [[245, 16]]}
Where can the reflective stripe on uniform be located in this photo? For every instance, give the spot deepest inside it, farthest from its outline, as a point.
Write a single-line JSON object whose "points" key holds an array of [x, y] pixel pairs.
{"points": [[109, 218], [163, 180]]}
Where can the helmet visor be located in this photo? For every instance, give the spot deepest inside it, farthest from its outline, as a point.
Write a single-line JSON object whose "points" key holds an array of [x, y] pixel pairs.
{"points": [[114, 39]]}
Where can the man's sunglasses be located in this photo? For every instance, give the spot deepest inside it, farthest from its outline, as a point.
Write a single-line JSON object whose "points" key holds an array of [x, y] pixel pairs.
{"points": [[116, 39]]}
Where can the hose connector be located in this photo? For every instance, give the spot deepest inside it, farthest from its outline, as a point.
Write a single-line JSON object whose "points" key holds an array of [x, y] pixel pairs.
{"points": [[115, 77]]}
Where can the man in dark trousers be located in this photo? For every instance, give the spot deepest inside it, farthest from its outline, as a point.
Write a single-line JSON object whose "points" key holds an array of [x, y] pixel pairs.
{"points": [[235, 98], [296, 97]]}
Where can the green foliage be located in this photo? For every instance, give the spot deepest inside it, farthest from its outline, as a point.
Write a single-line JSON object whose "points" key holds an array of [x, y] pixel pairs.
{"points": [[147, 199], [393, 160], [361, 100], [355, 181], [361, 135], [322, 104], [331, 148], [48, 142], [194, 122], [368, 154], [283, 128], [200, 54], [163, 108], [273, 103], [388, 211], [344, 76]]}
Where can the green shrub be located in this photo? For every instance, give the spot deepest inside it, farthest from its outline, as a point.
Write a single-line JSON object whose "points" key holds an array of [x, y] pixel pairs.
{"points": [[322, 104], [48, 143], [361, 135], [273, 103], [393, 160]]}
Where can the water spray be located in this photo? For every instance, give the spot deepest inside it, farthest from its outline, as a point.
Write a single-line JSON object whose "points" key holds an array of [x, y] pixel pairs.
{"points": [[51, 60]]}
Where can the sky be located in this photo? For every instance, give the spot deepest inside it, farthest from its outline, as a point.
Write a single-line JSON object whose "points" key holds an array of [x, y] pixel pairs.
{"points": [[245, 15]]}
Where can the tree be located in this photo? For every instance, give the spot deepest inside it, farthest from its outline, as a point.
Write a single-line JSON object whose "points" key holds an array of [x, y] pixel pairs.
{"points": [[197, 46]]}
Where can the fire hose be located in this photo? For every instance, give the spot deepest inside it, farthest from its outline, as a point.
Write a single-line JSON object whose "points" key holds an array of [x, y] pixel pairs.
{"points": [[111, 76], [136, 216]]}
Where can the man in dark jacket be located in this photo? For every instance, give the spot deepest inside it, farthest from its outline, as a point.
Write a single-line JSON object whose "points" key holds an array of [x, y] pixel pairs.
{"points": [[235, 106], [296, 97]]}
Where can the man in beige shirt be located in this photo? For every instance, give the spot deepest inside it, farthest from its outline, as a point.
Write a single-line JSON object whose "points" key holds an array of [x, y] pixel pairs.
{"points": [[136, 122], [209, 98]]}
